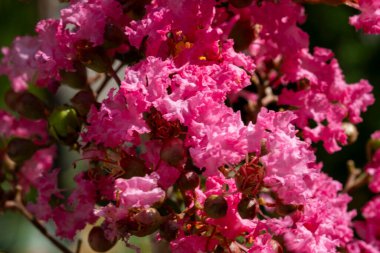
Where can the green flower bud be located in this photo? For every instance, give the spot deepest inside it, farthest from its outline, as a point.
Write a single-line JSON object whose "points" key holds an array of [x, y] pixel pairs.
{"points": [[247, 208], [97, 240], [216, 206], [64, 124], [19, 150]]}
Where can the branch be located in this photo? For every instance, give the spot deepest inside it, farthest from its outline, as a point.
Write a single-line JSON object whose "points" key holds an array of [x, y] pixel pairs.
{"points": [[112, 74], [356, 177], [19, 206]]}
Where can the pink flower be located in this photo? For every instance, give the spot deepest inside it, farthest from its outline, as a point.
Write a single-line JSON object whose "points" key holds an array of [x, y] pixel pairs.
{"points": [[326, 99], [47, 188], [36, 167], [369, 229], [19, 63], [289, 163], [73, 215], [322, 224], [138, 191], [373, 167], [86, 20], [369, 18], [191, 244], [231, 225]]}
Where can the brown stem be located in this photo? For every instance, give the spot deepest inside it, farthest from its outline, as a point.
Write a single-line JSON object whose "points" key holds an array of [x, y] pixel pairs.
{"points": [[19, 206], [79, 245], [112, 74], [356, 177]]}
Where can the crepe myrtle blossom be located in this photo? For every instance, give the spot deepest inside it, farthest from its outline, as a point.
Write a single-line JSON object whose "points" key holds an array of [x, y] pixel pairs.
{"points": [[208, 142]]}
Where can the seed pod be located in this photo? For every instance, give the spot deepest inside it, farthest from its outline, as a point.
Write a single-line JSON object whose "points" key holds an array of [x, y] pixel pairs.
{"points": [[173, 152], [247, 208], [351, 131], [98, 241], [145, 222], [216, 206], [19, 150], [188, 181], [240, 3], [169, 230]]}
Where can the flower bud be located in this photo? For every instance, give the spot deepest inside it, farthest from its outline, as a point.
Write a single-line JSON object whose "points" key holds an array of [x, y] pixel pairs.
{"points": [[26, 104], [240, 3], [173, 152], [247, 208], [188, 181], [133, 167], [243, 34], [64, 124], [373, 145], [82, 102], [216, 206], [351, 131], [76, 79], [97, 240], [145, 222], [19, 150], [169, 230], [276, 246]]}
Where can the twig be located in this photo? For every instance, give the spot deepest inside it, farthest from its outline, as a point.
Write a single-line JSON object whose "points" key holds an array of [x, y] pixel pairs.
{"points": [[19, 206], [113, 74], [79, 245], [356, 177]]}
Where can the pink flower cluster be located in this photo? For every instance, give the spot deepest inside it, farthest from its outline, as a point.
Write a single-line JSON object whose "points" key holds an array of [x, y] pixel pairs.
{"points": [[209, 137]]}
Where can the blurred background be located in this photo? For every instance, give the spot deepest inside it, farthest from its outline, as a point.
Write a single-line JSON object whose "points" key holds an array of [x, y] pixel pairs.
{"points": [[358, 54]]}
